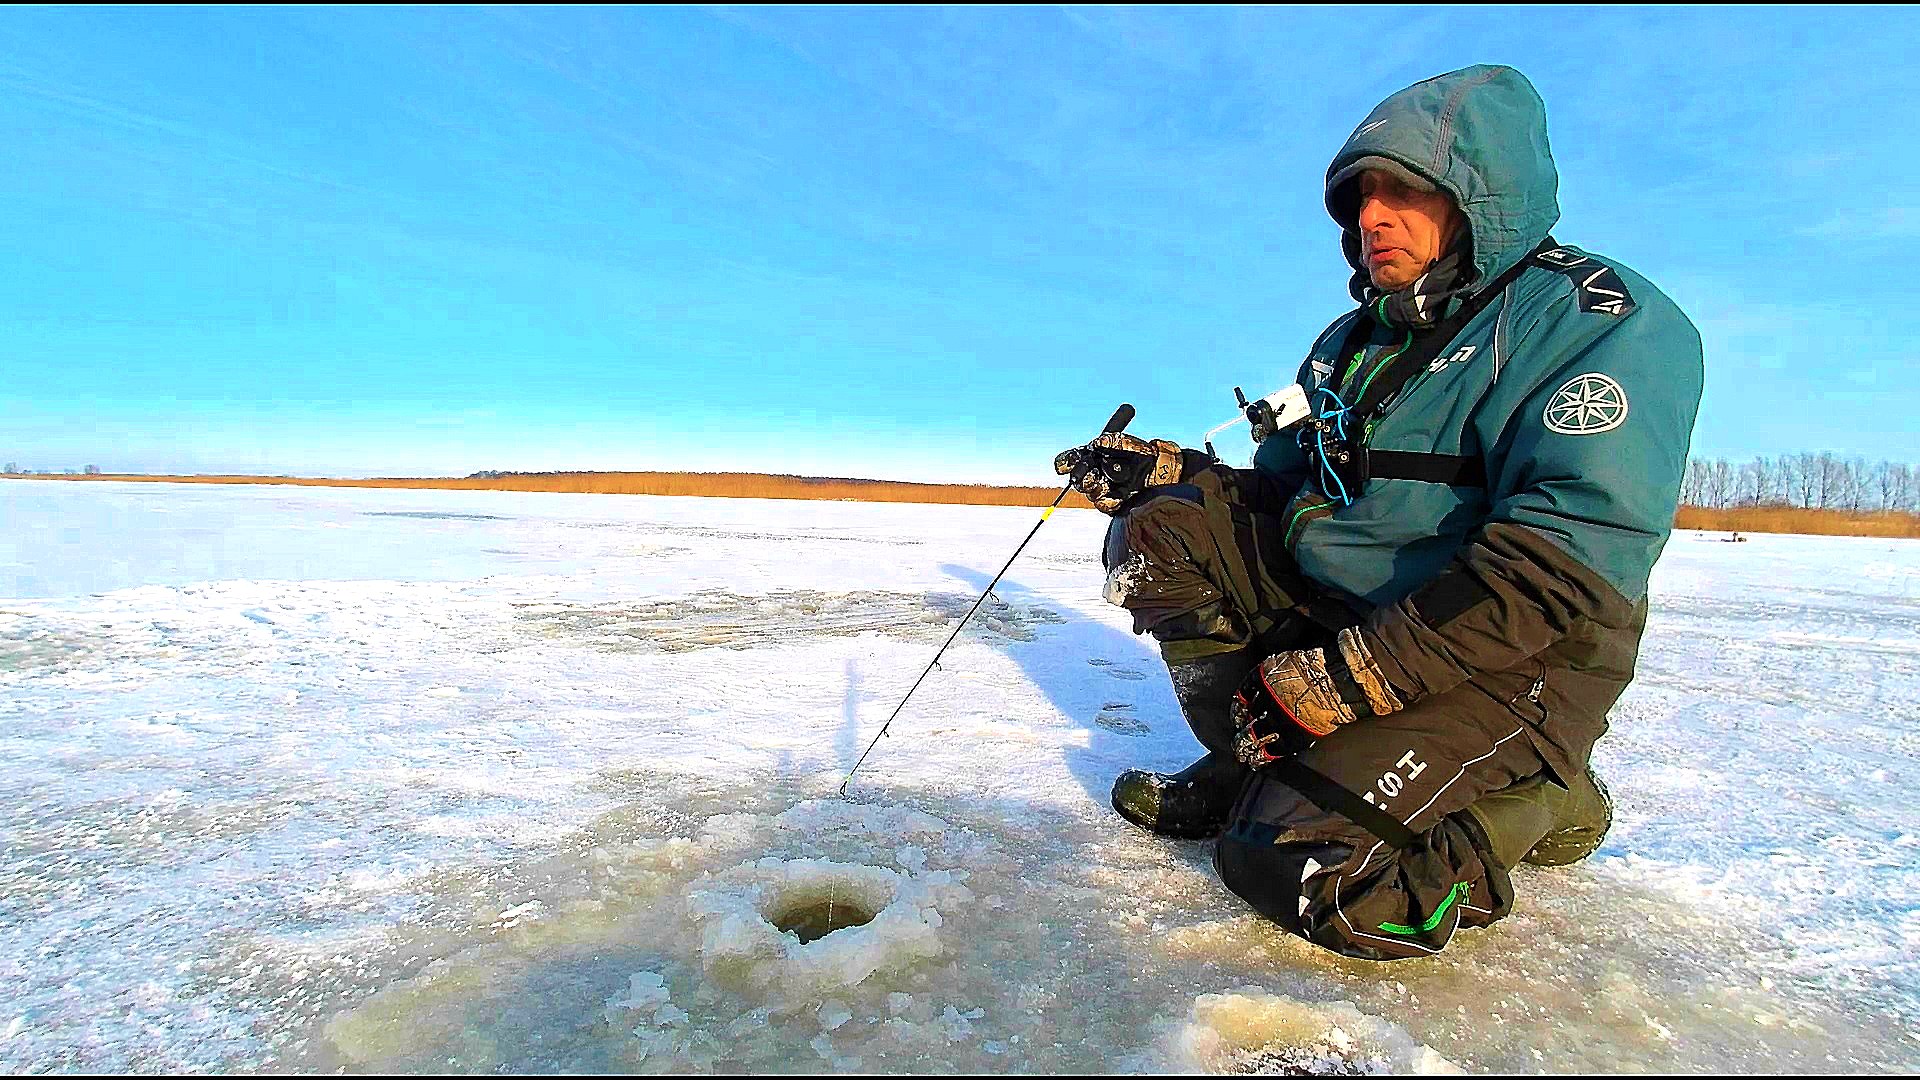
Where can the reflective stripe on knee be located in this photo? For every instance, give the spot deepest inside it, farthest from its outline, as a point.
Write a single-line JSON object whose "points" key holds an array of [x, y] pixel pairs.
{"points": [[1455, 895]]}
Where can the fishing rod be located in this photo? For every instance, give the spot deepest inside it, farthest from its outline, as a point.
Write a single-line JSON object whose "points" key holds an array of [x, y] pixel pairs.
{"points": [[1122, 416]]}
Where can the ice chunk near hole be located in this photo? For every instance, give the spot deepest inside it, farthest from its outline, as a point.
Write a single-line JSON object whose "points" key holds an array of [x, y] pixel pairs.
{"points": [[956, 1025], [661, 1030], [513, 915], [731, 830], [910, 834], [646, 867], [645, 990], [740, 913], [1251, 1030], [833, 1014]]}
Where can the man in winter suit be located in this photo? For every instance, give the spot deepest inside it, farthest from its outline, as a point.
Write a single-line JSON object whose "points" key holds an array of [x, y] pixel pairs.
{"points": [[1399, 633]]}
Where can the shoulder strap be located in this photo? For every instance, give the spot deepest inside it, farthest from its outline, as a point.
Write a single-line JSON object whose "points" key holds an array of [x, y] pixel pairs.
{"points": [[1331, 797], [1422, 348]]}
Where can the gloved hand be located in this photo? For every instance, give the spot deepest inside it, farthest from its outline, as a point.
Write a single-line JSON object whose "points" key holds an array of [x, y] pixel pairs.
{"points": [[1294, 698], [1115, 467]]}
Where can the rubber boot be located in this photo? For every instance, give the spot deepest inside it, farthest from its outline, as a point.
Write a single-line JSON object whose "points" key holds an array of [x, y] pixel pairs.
{"points": [[1579, 826], [1194, 803], [1191, 804], [1539, 822], [1514, 819]]}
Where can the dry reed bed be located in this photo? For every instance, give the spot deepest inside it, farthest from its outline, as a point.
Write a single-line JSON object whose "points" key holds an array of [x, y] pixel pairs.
{"points": [[1787, 519], [1758, 519], [716, 485]]}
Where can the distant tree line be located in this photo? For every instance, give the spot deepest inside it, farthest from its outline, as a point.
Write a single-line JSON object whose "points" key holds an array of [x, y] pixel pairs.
{"points": [[1809, 481], [13, 469]]}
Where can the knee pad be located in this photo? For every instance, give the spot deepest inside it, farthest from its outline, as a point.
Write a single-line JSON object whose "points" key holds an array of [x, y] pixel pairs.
{"points": [[1187, 564], [1157, 568]]}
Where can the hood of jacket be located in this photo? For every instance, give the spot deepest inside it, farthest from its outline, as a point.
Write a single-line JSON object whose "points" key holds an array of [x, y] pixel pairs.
{"points": [[1480, 135]]}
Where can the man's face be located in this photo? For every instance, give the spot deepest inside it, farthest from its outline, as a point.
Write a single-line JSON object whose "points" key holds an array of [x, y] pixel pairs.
{"points": [[1402, 231]]}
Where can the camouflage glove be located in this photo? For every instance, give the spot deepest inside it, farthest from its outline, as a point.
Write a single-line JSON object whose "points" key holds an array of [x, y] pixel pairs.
{"points": [[1294, 698], [1115, 467]]}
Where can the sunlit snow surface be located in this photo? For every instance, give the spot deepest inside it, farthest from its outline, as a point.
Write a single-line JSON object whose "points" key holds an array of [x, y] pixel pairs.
{"points": [[443, 781]]}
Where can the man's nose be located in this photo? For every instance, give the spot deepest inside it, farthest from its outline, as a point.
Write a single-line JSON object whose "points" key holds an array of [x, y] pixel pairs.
{"points": [[1373, 214]]}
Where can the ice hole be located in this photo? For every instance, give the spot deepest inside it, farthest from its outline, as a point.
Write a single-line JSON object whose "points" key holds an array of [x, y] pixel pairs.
{"points": [[814, 918], [797, 930]]}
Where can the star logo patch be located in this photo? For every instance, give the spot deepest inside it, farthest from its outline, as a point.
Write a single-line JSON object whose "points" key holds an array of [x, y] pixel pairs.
{"points": [[1586, 405]]}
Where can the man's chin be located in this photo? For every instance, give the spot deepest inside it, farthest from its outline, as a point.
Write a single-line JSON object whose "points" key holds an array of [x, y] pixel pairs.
{"points": [[1392, 282]]}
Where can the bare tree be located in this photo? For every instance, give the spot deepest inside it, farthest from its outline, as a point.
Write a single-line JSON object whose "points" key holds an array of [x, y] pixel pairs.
{"points": [[1719, 492], [1880, 481], [1773, 481], [1846, 486], [1905, 493], [1749, 487], [1826, 479], [1693, 482], [1803, 479]]}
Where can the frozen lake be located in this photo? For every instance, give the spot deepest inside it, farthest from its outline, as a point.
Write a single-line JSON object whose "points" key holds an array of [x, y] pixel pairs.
{"points": [[316, 779]]}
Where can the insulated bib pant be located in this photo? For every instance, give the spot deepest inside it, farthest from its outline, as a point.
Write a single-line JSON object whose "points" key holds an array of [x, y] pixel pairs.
{"points": [[1361, 844]]}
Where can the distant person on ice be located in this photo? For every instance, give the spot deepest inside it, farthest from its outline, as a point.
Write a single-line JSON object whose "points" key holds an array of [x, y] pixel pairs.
{"points": [[1398, 634]]}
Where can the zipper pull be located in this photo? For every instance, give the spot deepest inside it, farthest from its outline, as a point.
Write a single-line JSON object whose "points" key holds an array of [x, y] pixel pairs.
{"points": [[1539, 684]]}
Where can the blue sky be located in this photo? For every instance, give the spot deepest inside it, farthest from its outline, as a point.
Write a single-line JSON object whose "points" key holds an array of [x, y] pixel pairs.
{"points": [[918, 243]]}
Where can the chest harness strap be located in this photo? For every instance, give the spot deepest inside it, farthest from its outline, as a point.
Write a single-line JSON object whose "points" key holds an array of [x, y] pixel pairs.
{"points": [[1345, 407]]}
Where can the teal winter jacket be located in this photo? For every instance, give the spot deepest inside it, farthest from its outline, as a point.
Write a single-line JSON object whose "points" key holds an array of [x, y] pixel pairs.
{"points": [[1570, 397]]}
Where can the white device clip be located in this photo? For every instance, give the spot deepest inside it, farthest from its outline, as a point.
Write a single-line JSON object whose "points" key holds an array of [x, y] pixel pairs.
{"points": [[1268, 416]]}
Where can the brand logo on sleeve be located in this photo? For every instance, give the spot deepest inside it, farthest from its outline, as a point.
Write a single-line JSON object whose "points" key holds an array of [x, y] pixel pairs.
{"points": [[1465, 354], [1586, 405]]}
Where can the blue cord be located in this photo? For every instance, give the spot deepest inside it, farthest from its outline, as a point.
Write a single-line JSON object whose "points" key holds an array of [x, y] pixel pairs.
{"points": [[1330, 481]]}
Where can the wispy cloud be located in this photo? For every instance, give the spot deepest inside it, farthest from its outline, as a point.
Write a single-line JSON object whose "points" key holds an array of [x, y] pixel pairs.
{"points": [[1883, 225]]}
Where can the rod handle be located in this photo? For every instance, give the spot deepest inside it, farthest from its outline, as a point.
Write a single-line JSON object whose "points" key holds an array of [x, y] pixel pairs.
{"points": [[1122, 416]]}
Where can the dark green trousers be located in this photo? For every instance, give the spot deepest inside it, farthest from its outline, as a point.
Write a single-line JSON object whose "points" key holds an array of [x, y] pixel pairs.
{"points": [[1204, 580], [1319, 872]]}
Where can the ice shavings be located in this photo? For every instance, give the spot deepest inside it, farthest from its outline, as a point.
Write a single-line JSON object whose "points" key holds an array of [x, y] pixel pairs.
{"points": [[1251, 1030]]}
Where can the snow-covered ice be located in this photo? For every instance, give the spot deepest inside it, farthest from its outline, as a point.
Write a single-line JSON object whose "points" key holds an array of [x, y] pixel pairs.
{"points": [[313, 779]]}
